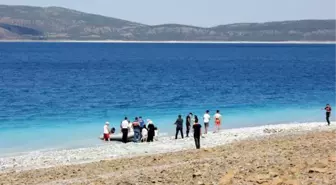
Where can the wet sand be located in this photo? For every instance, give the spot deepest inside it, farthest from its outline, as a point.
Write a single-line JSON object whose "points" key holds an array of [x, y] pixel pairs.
{"points": [[276, 159]]}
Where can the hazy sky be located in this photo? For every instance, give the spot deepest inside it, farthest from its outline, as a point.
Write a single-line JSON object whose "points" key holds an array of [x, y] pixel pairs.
{"points": [[196, 12]]}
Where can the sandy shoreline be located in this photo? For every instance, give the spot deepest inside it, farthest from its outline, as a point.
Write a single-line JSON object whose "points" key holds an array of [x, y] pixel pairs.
{"points": [[299, 155], [170, 42], [45, 159]]}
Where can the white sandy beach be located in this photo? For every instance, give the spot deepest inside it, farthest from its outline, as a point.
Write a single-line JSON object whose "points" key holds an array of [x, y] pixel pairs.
{"points": [[112, 150]]}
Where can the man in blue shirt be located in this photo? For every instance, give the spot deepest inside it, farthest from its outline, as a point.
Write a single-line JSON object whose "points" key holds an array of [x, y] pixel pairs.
{"points": [[142, 124]]}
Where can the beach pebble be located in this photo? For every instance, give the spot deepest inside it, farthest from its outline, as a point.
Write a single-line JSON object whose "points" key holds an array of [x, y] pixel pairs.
{"points": [[332, 158], [317, 170]]}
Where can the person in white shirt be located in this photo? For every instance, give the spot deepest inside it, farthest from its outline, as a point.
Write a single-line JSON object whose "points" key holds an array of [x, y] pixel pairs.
{"points": [[106, 131], [218, 121], [206, 120], [124, 129]]}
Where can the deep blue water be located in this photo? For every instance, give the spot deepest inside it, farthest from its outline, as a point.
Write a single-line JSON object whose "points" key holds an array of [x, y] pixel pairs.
{"points": [[60, 94]]}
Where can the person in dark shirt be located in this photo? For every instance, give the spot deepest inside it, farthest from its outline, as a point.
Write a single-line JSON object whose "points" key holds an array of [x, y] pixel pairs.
{"points": [[328, 112], [151, 131], [188, 123], [179, 126], [197, 134], [196, 119]]}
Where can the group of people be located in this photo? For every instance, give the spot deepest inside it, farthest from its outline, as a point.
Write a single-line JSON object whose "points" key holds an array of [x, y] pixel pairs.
{"points": [[197, 128], [146, 132], [140, 130]]}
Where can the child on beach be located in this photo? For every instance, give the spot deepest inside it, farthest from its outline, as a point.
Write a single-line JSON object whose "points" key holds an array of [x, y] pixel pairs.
{"points": [[144, 134], [197, 134], [112, 130], [106, 131], [218, 120]]}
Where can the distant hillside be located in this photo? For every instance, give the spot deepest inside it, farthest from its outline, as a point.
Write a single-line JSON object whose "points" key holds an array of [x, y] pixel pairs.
{"points": [[61, 23], [313, 30], [55, 23]]}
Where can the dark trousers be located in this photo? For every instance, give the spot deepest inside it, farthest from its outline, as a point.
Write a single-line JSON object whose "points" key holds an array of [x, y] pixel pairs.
{"points": [[150, 138], [124, 135], [177, 131], [197, 142], [188, 130], [327, 117]]}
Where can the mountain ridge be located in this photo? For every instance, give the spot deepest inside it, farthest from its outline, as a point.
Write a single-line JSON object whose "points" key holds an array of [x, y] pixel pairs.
{"points": [[58, 23]]}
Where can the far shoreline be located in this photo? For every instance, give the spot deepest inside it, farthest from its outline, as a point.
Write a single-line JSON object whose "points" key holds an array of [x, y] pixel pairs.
{"points": [[168, 42]]}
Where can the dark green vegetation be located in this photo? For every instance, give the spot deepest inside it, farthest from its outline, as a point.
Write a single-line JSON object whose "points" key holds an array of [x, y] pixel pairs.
{"points": [[55, 23]]}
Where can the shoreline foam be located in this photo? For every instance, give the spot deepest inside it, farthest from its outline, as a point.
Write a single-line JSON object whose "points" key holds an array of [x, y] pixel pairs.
{"points": [[108, 151]]}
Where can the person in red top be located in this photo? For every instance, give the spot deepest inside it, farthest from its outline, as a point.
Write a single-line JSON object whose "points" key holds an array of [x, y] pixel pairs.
{"points": [[136, 129], [328, 112]]}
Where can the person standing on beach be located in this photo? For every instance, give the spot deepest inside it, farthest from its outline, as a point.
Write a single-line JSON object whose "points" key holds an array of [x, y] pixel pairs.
{"points": [[206, 120], [106, 131], [124, 130], [188, 123], [142, 125], [137, 130], [151, 131], [142, 122], [179, 126], [328, 112], [197, 134], [218, 121]]}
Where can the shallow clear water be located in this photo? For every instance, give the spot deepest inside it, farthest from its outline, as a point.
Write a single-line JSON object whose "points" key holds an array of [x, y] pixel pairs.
{"points": [[56, 95]]}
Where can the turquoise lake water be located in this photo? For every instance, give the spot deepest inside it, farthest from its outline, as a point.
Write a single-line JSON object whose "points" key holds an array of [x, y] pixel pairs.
{"points": [[58, 95]]}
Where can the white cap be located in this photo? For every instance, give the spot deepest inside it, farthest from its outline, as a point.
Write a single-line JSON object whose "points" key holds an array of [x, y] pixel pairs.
{"points": [[107, 123]]}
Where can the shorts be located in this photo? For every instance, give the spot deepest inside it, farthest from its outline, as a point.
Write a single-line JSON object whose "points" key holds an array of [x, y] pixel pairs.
{"points": [[218, 122], [206, 124], [106, 137]]}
